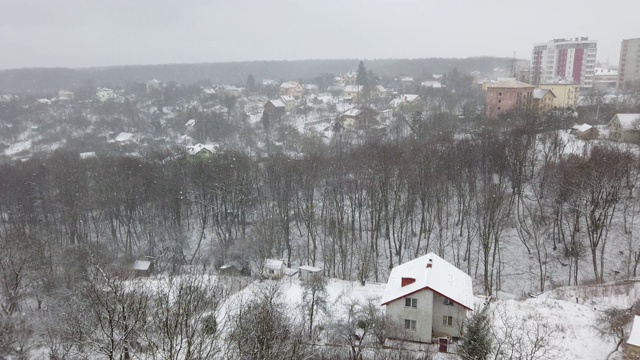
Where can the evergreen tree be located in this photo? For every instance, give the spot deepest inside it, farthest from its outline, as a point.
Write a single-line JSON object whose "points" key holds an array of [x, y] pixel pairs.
{"points": [[251, 84], [476, 342], [361, 76]]}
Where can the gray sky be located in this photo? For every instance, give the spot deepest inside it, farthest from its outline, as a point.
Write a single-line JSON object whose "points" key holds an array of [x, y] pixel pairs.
{"points": [[84, 33]]}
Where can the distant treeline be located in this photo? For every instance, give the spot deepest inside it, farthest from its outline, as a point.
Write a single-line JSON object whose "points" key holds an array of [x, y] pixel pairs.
{"points": [[42, 80]]}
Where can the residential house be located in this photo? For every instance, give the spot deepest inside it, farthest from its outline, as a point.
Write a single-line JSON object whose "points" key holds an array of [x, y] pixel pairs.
{"points": [[349, 78], [352, 91], [360, 118], [585, 132], [202, 150], [509, 95], [379, 91], [408, 103], [142, 268], [350, 117], [435, 84], [310, 273], [543, 100], [66, 95], [291, 88], [566, 92], [311, 88], [625, 128], [105, 94], [231, 90], [429, 298], [273, 269], [5, 98], [289, 102], [275, 108], [40, 103]]}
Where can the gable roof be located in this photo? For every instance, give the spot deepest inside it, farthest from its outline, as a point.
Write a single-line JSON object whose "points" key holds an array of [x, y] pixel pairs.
{"points": [[627, 121], [276, 103], [195, 149], [353, 88], [274, 264], [634, 336], [582, 128], [540, 93], [442, 278], [141, 265], [289, 84], [310, 268], [287, 98]]}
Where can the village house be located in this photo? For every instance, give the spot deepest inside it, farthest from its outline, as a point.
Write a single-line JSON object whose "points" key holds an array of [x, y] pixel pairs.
{"points": [[408, 103], [310, 273], [273, 269], [124, 138], [625, 128], [105, 94], [633, 342], [352, 91], [232, 268], [543, 100], [275, 108], [429, 298], [289, 102], [291, 88], [202, 150], [153, 85], [66, 95], [231, 90]]}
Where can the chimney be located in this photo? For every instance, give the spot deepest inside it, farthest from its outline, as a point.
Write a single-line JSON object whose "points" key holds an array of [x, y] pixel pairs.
{"points": [[430, 264]]}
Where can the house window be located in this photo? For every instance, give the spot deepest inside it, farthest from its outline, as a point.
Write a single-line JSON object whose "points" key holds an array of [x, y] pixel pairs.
{"points": [[499, 101], [446, 320], [410, 324], [271, 271], [499, 94], [448, 301], [411, 302]]}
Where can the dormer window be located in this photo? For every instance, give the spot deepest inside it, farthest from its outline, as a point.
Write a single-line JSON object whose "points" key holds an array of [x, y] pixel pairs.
{"points": [[448, 301]]}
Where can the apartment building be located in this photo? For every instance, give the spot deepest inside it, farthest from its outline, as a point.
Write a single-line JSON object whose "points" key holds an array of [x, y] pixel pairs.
{"points": [[629, 67], [573, 59]]}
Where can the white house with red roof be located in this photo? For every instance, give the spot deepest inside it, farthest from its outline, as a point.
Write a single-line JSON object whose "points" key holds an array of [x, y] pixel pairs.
{"points": [[429, 298]]}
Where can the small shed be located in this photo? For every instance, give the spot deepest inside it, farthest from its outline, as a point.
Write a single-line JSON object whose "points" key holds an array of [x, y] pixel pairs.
{"points": [[142, 268], [310, 273], [232, 268], [633, 342], [585, 132], [273, 269]]}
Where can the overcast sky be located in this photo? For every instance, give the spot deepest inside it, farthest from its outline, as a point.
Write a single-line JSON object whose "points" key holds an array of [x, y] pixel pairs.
{"points": [[86, 33]]}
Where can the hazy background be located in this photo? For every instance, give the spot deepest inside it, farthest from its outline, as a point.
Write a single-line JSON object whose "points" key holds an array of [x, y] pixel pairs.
{"points": [[81, 33]]}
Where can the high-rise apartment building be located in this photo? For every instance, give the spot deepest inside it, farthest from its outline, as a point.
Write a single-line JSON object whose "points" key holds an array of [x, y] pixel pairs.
{"points": [[629, 68], [573, 59]]}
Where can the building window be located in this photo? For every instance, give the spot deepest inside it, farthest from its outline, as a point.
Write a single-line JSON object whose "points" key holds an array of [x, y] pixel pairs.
{"points": [[499, 94], [499, 101], [498, 107], [410, 324], [446, 321], [448, 301], [271, 271], [411, 302]]}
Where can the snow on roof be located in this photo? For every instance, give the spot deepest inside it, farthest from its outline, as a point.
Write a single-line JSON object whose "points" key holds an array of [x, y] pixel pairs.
{"points": [[233, 264], [141, 265], [353, 88], [124, 136], [193, 150], [540, 93], [191, 122], [511, 84], [277, 103], [87, 155], [289, 84], [380, 88], [44, 101], [560, 81], [634, 336], [603, 71], [287, 98], [352, 112], [310, 268], [432, 83], [627, 121], [274, 264], [583, 127], [442, 278]]}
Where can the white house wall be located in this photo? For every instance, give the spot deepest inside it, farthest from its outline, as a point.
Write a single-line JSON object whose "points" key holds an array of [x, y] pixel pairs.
{"points": [[456, 311], [422, 314]]}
